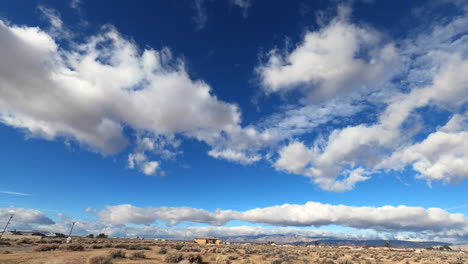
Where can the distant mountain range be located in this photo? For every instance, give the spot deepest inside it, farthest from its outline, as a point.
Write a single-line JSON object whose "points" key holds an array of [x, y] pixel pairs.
{"points": [[298, 239]]}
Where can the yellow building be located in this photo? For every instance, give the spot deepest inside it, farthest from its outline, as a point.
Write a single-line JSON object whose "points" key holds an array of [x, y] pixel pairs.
{"points": [[207, 240]]}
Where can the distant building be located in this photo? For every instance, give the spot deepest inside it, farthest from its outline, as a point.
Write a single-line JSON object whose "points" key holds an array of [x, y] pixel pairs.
{"points": [[207, 240]]}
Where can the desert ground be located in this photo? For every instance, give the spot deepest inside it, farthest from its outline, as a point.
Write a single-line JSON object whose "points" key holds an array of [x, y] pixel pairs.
{"points": [[119, 251]]}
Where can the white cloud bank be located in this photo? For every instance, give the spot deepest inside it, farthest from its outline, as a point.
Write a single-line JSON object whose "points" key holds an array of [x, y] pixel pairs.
{"points": [[403, 222], [386, 218]]}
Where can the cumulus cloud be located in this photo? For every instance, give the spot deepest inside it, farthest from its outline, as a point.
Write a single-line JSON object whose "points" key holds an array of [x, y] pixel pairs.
{"points": [[93, 90], [385, 218], [442, 155], [141, 161], [362, 145], [386, 222], [337, 59], [24, 218], [151, 231], [435, 77]]}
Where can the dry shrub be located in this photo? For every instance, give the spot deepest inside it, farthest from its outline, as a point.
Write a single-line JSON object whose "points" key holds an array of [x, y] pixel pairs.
{"points": [[162, 251], [177, 247], [194, 258], [174, 258], [95, 246], [24, 241], [47, 247], [100, 260], [117, 254], [138, 247], [72, 247], [138, 255], [221, 259], [457, 260], [6, 252]]}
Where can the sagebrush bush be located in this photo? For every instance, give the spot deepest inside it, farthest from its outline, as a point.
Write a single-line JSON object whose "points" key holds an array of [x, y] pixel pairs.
{"points": [[24, 241], [47, 247], [138, 255], [73, 247], [173, 258], [100, 260], [177, 247], [117, 254], [162, 251], [194, 258]]}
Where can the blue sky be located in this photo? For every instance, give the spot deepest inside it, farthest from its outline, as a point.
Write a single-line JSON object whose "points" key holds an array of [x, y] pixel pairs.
{"points": [[235, 117]]}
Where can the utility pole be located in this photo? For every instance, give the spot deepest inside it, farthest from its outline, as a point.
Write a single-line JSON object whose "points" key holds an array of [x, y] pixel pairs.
{"points": [[8, 222], [69, 239], [71, 229]]}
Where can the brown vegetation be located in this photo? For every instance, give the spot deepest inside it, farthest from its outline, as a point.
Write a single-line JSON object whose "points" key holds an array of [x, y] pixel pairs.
{"points": [[121, 251]]}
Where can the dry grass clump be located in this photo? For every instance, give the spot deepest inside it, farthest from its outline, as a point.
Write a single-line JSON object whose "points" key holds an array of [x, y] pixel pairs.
{"points": [[100, 260], [178, 257], [222, 259], [190, 249], [24, 241], [177, 246], [46, 247], [162, 251], [5, 243], [72, 247], [457, 260], [117, 254], [174, 258], [194, 258], [138, 255]]}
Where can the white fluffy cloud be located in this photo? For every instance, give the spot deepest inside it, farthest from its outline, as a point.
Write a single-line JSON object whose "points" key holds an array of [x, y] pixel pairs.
{"points": [[386, 218], [24, 218], [348, 148], [141, 161], [435, 77], [337, 59], [386, 222], [443, 155], [93, 90]]}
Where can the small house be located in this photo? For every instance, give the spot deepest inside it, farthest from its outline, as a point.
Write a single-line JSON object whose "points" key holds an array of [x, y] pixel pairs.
{"points": [[207, 240]]}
